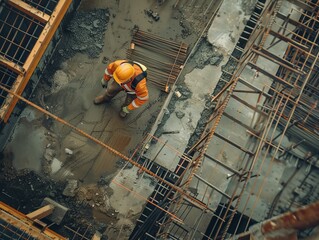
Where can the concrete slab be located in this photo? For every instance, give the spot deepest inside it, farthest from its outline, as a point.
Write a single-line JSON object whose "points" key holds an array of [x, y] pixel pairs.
{"points": [[58, 213], [204, 79], [130, 192], [28, 156], [226, 28]]}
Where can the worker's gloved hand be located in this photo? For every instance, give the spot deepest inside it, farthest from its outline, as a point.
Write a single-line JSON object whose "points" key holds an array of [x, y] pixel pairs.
{"points": [[125, 109], [104, 83]]}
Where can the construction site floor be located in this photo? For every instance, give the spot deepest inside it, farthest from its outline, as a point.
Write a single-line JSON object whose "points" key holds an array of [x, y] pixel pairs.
{"points": [[45, 158]]}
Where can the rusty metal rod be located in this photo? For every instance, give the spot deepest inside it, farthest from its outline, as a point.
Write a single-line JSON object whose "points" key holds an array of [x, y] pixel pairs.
{"points": [[135, 53], [110, 149], [161, 45], [157, 38], [165, 53]]}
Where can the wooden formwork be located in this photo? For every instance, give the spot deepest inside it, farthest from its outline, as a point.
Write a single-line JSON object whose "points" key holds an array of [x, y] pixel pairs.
{"points": [[21, 51]]}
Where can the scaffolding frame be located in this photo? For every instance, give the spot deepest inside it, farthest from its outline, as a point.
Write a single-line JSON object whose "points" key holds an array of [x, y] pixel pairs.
{"points": [[16, 225], [279, 107], [27, 29]]}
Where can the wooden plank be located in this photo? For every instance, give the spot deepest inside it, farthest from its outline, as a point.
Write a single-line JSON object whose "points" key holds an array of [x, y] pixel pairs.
{"points": [[29, 10], [35, 57], [41, 212], [96, 236], [11, 65], [20, 221]]}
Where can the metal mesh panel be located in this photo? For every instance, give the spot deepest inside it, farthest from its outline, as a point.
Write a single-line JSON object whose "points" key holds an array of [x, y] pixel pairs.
{"points": [[18, 34], [46, 6]]}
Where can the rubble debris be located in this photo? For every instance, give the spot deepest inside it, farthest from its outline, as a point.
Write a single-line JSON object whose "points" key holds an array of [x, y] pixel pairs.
{"points": [[152, 14], [105, 60], [160, 2], [71, 188], [186, 31], [85, 33], [49, 154], [184, 91], [55, 165], [206, 54]]}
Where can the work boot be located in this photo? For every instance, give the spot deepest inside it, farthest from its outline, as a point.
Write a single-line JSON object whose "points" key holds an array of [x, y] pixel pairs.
{"points": [[100, 99], [123, 114]]}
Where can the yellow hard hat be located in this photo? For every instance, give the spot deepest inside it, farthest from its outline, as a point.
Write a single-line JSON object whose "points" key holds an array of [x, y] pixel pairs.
{"points": [[123, 73]]}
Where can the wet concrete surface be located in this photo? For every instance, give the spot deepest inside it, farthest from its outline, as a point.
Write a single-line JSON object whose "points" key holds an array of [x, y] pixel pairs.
{"points": [[68, 90]]}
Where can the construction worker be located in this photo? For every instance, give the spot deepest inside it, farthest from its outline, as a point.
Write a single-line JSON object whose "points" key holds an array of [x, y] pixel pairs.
{"points": [[127, 76]]}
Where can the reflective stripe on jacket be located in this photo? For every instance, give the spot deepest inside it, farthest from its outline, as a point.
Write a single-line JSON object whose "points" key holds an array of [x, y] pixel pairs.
{"points": [[140, 90]]}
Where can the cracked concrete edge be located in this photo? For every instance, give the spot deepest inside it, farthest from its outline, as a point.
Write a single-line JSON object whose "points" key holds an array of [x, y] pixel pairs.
{"points": [[161, 114], [170, 95]]}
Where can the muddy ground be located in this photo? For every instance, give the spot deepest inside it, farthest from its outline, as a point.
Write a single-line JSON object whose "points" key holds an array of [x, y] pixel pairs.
{"points": [[61, 164], [44, 158]]}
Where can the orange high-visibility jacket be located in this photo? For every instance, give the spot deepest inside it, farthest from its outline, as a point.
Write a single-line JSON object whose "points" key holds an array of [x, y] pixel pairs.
{"points": [[140, 90]]}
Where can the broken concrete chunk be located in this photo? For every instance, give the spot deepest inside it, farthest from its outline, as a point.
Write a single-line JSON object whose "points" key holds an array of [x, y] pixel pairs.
{"points": [[68, 151], [71, 188], [154, 15], [100, 46], [49, 154], [96, 23], [149, 12]]}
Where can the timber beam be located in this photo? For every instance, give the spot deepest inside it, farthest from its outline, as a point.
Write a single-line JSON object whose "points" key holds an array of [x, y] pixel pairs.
{"points": [[11, 65], [35, 57], [29, 10]]}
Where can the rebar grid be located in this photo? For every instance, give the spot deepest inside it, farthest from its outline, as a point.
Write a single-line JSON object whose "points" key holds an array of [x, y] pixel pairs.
{"points": [[289, 118], [80, 234], [7, 78], [165, 182], [8, 231], [46, 6], [283, 105], [278, 105], [163, 69], [16, 225], [45, 35], [18, 34]]}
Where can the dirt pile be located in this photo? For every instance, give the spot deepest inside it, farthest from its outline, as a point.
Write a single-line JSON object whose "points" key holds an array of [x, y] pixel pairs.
{"points": [[85, 33], [206, 54], [25, 190]]}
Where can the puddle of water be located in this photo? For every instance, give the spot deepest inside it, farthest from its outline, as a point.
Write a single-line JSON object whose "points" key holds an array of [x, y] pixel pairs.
{"points": [[27, 155]]}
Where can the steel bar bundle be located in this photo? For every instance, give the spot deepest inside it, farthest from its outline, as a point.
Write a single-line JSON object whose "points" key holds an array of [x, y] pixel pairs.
{"points": [[163, 58]]}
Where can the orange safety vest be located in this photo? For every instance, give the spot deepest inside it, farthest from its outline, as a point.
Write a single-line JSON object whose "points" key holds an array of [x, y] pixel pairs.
{"points": [[137, 85]]}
